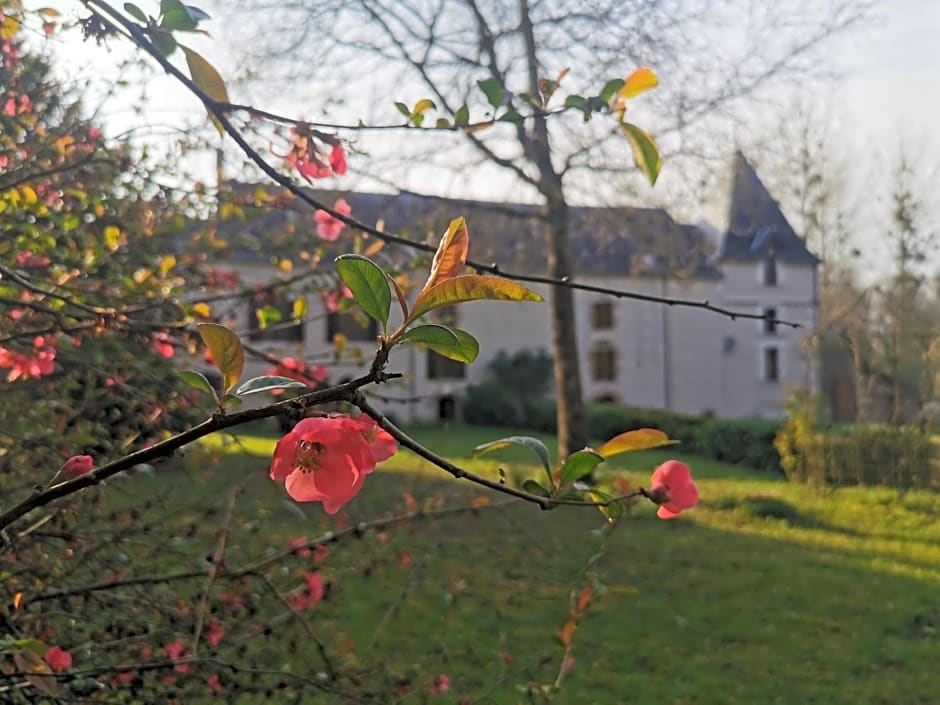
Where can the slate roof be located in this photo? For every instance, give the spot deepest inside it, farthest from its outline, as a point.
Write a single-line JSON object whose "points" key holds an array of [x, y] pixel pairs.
{"points": [[757, 226], [605, 241]]}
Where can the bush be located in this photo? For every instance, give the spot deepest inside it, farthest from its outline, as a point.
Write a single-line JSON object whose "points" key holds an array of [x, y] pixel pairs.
{"points": [[859, 454], [492, 404], [748, 442]]}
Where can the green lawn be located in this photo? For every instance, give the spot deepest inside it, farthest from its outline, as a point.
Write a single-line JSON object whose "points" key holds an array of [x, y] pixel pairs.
{"points": [[766, 593]]}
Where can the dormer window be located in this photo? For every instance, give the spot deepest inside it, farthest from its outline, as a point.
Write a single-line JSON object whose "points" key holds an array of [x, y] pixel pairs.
{"points": [[770, 270]]}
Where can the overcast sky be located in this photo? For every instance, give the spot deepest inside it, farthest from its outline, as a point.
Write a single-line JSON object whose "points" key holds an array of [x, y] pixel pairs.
{"points": [[890, 86]]}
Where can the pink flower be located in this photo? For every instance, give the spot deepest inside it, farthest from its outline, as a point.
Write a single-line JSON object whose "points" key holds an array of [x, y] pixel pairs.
{"points": [[25, 366], [441, 685], [28, 259], [334, 297], [163, 344], [214, 632], [9, 108], [320, 552], [328, 226], [381, 443], [338, 159], [176, 650], [78, 465], [310, 595], [214, 683], [323, 459], [59, 660], [295, 368], [671, 487]]}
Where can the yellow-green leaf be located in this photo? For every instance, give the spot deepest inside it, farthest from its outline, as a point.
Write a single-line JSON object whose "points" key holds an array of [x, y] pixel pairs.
{"points": [[640, 439], [112, 237], [638, 82], [37, 672], [451, 254], [226, 350], [299, 308], [166, 264], [471, 287], [645, 152], [9, 27], [422, 105], [452, 343], [208, 79]]}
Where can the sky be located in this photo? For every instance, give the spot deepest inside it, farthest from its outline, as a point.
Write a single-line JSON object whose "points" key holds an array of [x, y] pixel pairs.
{"points": [[889, 83]]}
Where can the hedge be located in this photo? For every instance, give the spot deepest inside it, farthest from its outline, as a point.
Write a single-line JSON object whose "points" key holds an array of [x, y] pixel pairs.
{"points": [[747, 442]]}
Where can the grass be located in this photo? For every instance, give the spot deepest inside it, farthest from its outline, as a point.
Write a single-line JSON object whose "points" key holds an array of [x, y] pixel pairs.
{"points": [[767, 593]]}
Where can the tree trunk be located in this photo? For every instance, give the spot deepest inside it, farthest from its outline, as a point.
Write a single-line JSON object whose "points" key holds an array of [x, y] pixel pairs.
{"points": [[572, 424]]}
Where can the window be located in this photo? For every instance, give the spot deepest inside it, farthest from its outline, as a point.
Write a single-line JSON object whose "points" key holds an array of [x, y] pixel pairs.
{"points": [[347, 324], [770, 321], [770, 270], [602, 315], [771, 364], [275, 310], [440, 367], [603, 363]]}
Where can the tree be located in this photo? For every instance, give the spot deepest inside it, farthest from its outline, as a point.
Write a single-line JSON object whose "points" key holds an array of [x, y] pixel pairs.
{"points": [[513, 51]]}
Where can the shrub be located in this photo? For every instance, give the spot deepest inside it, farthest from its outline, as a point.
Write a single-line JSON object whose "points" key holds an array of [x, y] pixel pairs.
{"points": [[748, 442], [871, 454], [492, 404]]}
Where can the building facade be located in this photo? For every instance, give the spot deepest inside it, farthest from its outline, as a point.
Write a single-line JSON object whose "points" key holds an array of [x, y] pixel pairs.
{"points": [[634, 352]]}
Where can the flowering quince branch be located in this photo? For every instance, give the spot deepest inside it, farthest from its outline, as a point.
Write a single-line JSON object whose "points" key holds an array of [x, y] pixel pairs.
{"points": [[256, 567], [219, 114]]}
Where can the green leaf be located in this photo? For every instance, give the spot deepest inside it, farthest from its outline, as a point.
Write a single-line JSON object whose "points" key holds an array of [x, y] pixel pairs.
{"points": [[471, 287], [227, 352], [368, 284], [267, 383], [533, 444], [610, 89], [493, 91], [135, 12], [578, 465], [430, 334], [163, 41], [462, 116], [442, 123], [466, 350], [268, 316], [200, 382], [639, 439], [452, 343], [512, 115], [611, 512], [231, 399], [575, 101], [208, 79], [403, 109], [175, 17], [535, 487], [645, 152]]}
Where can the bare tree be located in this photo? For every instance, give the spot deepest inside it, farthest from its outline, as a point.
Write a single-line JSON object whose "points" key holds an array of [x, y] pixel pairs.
{"points": [[714, 56]]}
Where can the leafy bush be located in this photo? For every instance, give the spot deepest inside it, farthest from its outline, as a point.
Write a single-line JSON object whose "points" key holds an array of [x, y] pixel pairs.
{"points": [[491, 404], [748, 442], [869, 454]]}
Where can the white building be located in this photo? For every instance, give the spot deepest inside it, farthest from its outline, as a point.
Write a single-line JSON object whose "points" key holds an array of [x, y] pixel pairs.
{"points": [[638, 353]]}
